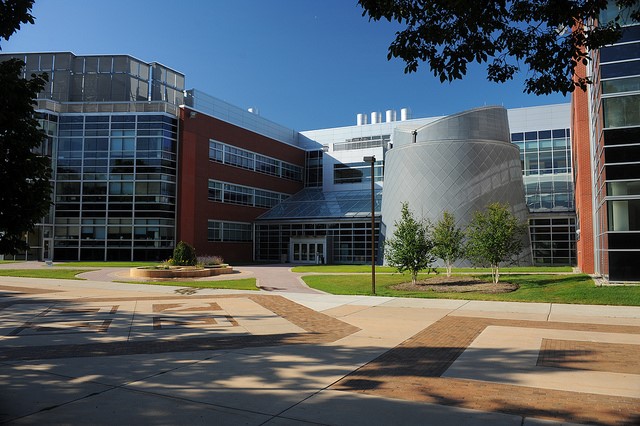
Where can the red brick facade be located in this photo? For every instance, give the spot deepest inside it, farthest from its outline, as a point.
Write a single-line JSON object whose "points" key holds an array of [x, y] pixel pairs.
{"points": [[195, 170], [580, 147]]}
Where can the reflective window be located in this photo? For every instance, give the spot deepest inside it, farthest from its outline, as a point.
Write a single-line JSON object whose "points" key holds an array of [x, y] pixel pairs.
{"points": [[619, 85], [229, 231], [357, 172], [621, 111], [245, 159]]}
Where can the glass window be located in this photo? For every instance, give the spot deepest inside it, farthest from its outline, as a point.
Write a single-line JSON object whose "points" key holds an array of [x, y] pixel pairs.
{"points": [[266, 199], [292, 172], [229, 231], [517, 137], [239, 157], [620, 69], [236, 194], [215, 190], [620, 52], [269, 166], [619, 85], [621, 111], [624, 215], [623, 188]]}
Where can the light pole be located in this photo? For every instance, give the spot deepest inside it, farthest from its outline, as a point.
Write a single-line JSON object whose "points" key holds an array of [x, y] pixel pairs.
{"points": [[371, 160]]}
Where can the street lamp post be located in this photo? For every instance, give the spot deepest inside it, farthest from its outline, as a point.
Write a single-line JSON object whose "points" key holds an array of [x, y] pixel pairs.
{"points": [[371, 160]]}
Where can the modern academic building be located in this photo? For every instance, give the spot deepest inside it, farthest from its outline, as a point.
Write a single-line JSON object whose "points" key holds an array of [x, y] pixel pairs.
{"points": [[606, 147], [140, 163]]}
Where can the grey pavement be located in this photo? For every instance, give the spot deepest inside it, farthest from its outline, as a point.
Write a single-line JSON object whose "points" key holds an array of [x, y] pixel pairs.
{"points": [[164, 383]]}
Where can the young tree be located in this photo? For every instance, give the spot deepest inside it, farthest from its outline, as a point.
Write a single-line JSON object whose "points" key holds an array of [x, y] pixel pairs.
{"points": [[447, 240], [410, 247], [494, 237], [24, 174], [546, 38]]}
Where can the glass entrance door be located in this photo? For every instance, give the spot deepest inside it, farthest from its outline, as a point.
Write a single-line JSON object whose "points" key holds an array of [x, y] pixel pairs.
{"points": [[307, 251]]}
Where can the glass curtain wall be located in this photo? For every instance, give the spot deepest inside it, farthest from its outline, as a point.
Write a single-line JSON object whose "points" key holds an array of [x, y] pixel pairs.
{"points": [[548, 179], [348, 242], [115, 187], [617, 159]]}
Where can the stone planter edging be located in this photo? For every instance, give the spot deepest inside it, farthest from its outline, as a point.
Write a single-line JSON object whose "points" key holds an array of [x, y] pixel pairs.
{"points": [[178, 273]]}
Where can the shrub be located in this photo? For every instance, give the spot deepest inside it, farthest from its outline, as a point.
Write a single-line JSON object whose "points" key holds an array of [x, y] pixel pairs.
{"points": [[210, 260], [184, 255]]}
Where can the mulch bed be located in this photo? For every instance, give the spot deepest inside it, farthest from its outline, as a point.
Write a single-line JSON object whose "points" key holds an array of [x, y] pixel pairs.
{"points": [[457, 284]]}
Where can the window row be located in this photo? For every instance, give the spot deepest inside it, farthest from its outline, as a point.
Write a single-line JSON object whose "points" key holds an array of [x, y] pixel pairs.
{"points": [[116, 143], [113, 232], [236, 194], [357, 172], [229, 231], [550, 162], [362, 143], [227, 154], [115, 188], [113, 221]]}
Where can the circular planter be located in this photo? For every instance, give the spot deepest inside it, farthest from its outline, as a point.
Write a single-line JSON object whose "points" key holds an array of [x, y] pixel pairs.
{"points": [[179, 272]]}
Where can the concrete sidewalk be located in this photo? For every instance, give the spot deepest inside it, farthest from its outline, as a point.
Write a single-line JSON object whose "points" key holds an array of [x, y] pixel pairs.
{"points": [[96, 352]]}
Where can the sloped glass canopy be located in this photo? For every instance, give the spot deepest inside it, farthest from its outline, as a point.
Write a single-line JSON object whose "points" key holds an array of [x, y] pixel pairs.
{"points": [[313, 203]]}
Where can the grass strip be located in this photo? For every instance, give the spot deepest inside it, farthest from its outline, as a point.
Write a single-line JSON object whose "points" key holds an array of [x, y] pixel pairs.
{"points": [[388, 269], [240, 284], [107, 264], [61, 274], [573, 289]]}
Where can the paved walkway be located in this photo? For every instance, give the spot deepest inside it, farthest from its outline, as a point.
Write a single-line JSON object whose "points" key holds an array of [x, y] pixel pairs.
{"points": [[272, 278], [98, 352]]}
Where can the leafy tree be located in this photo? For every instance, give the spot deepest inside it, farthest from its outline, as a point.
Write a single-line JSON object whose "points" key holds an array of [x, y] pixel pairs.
{"points": [[447, 240], [546, 37], [410, 247], [24, 174], [184, 255], [494, 237], [12, 14]]}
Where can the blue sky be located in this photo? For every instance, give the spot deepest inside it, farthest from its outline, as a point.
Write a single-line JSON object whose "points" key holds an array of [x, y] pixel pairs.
{"points": [[306, 64]]}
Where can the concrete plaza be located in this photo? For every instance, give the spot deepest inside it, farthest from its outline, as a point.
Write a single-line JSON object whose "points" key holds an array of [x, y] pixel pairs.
{"points": [[99, 352]]}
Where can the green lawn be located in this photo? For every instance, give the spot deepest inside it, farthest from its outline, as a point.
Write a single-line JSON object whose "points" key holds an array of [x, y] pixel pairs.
{"points": [[107, 264], [63, 274], [241, 284], [353, 269], [7, 261], [575, 288], [388, 269]]}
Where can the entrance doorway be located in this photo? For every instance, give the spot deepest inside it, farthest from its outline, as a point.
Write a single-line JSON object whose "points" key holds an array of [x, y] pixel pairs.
{"points": [[308, 250]]}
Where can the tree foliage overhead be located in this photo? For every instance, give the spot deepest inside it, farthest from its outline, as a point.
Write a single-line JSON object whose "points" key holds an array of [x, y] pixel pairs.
{"points": [[24, 174], [494, 237], [12, 14], [547, 39], [410, 247]]}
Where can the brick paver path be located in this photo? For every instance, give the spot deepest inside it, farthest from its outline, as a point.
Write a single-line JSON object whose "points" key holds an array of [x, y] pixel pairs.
{"points": [[413, 370], [319, 328]]}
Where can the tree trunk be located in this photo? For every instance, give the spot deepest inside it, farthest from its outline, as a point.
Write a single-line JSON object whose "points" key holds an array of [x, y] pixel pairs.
{"points": [[449, 265], [414, 278], [495, 273]]}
